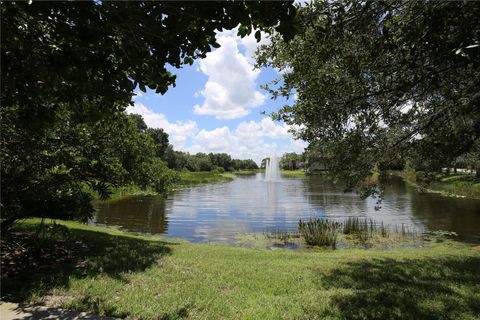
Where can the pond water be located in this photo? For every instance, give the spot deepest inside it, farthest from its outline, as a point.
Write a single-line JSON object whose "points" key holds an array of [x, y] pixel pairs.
{"points": [[218, 212]]}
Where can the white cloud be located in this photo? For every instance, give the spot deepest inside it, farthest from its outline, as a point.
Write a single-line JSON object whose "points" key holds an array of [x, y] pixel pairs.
{"points": [[265, 128], [178, 131], [250, 44], [230, 91], [250, 140], [302, 3]]}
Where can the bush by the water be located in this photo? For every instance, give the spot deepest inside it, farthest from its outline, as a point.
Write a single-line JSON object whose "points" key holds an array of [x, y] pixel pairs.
{"points": [[319, 232]]}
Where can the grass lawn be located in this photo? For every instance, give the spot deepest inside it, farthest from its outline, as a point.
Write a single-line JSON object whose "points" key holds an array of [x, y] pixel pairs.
{"points": [[124, 275]]}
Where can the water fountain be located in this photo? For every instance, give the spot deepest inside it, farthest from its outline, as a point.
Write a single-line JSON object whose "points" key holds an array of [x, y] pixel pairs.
{"points": [[272, 169]]}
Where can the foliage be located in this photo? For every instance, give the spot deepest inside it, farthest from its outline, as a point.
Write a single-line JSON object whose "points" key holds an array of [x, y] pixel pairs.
{"points": [[382, 82], [439, 281], [69, 70], [319, 232], [179, 160], [91, 55], [292, 161], [247, 164], [160, 138], [53, 169]]}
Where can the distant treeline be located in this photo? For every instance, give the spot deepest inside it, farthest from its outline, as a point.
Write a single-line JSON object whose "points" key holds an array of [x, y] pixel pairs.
{"points": [[179, 160]]}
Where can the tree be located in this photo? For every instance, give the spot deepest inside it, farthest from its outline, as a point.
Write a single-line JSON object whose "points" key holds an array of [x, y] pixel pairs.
{"points": [[160, 138], [73, 52], [220, 160], [378, 81], [292, 161], [55, 171], [247, 164], [264, 162], [69, 70], [141, 125]]}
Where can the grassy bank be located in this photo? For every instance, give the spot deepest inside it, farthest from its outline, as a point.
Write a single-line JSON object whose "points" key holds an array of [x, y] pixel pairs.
{"points": [[456, 185], [292, 173], [124, 275], [185, 179], [247, 172], [192, 178]]}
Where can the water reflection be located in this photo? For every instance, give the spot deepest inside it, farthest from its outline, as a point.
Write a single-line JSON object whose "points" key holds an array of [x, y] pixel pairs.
{"points": [[145, 214], [217, 212]]}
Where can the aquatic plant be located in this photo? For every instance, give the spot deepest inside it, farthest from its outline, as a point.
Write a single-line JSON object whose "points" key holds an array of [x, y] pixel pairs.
{"points": [[319, 232], [383, 230], [364, 229], [277, 234]]}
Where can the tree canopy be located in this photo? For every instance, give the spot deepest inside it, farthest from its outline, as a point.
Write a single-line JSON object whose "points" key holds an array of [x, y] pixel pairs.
{"points": [[69, 70], [100, 51], [379, 81]]}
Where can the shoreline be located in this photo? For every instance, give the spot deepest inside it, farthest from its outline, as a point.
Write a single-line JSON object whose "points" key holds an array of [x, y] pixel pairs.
{"points": [[431, 188]]}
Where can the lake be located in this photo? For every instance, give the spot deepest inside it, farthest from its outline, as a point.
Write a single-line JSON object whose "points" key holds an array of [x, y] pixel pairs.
{"points": [[219, 212]]}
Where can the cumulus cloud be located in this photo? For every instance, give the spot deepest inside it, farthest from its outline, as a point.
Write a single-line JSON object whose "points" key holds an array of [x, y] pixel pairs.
{"points": [[178, 131], [230, 91], [249, 140], [264, 128], [252, 139]]}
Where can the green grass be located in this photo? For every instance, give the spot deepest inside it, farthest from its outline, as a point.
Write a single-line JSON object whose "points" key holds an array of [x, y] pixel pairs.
{"points": [[458, 185], [247, 172], [455, 185], [292, 173], [193, 178], [137, 277]]}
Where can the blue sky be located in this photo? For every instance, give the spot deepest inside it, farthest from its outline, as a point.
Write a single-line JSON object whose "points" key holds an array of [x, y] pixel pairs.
{"points": [[217, 103]]}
